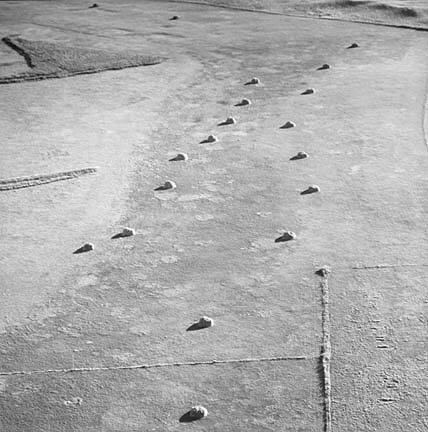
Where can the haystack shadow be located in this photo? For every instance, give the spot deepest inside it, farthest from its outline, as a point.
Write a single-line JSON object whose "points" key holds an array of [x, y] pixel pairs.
{"points": [[187, 418], [308, 191], [118, 235], [82, 249], [195, 326]]}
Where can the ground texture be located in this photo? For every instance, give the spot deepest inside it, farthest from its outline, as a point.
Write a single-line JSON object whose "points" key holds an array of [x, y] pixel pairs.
{"points": [[98, 342], [50, 60], [412, 13]]}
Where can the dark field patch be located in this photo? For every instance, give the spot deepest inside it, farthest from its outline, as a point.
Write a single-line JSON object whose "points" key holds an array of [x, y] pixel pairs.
{"points": [[52, 60]]}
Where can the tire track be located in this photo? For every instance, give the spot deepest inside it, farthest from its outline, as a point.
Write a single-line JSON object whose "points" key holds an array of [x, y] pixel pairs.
{"points": [[36, 180], [157, 365]]}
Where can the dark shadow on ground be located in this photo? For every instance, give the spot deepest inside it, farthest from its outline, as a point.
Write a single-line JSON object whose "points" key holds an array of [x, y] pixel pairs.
{"points": [[195, 326], [82, 249], [118, 235], [187, 418]]}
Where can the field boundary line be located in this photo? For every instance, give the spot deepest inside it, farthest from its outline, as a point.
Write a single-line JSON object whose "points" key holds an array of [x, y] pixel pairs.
{"points": [[386, 266], [325, 357], [159, 365], [425, 116]]}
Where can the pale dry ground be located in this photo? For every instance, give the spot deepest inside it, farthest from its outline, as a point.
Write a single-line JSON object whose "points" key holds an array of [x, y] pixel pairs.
{"points": [[208, 247]]}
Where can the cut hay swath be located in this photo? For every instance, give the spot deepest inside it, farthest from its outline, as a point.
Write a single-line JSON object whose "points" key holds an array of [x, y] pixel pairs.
{"points": [[36, 180]]}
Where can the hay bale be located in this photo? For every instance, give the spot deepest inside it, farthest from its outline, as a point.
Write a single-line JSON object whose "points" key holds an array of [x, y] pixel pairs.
{"points": [[210, 139], [288, 125], [175, 17], [179, 157], [287, 236], [308, 91], [253, 81], [167, 185], [324, 66], [310, 190], [205, 322], [244, 102], [323, 271], [85, 248], [127, 232], [228, 121], [314, 188], [300, 155], [198, 412], [353, 45]]}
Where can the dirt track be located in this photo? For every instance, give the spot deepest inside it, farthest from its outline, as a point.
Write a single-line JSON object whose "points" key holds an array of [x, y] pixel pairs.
{"points": [[207, 248]]}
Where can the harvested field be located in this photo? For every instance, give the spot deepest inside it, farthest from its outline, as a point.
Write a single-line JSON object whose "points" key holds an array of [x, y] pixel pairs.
{"points": [[317, 331]]}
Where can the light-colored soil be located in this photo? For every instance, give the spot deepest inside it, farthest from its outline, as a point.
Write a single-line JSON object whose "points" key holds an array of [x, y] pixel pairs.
{"points": [[207, 247], [379, 348], [254, 397]]}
